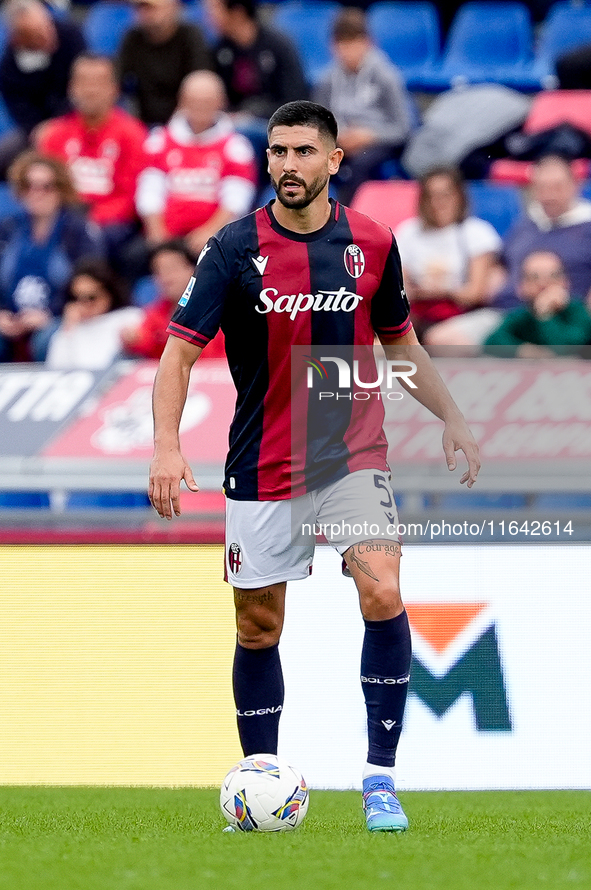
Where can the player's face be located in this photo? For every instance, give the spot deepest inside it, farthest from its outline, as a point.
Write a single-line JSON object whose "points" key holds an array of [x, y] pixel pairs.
{"points": [[300, 164]]}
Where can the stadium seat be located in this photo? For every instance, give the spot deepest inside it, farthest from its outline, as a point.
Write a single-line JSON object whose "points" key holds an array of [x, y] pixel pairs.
{"points": [[194, 12], [6, 122], [388, 202], [104, 25], [409, 34], [488, 42], [549, 109], [144, 291], [8, 202], [308, 24], [553, 107], [506, 170], [565, 27], [3, 34], [106, 500], [500, 205]]}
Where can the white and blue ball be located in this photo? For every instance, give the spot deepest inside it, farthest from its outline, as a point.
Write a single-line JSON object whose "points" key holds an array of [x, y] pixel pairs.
{"points": [[264, 793]]}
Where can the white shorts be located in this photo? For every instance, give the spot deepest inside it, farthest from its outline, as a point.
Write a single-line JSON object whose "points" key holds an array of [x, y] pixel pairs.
{"points": [[272, 541]]}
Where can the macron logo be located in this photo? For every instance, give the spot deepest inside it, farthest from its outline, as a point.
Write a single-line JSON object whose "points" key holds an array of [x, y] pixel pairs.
{"points": [[260, 263], [389, 724], [203, 252]]}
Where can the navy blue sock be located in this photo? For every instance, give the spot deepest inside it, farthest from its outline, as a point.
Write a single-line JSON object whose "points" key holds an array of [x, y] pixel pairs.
{"points": [[258, 692], [385, 666]]}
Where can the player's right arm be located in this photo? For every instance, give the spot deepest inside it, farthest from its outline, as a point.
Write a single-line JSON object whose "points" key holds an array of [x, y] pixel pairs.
{"points": [[168, 467]]}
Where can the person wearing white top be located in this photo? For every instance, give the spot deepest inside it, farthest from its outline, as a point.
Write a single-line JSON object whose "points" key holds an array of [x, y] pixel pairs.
{"points": [[447, 258], [95, 314]]}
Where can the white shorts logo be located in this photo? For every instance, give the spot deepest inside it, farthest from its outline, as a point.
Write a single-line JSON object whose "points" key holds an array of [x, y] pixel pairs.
{"points": [[354, 261], [235, 558]]}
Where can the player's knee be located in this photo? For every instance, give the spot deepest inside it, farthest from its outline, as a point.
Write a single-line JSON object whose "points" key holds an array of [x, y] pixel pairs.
{"points": [[381, 601], [259, 629]]}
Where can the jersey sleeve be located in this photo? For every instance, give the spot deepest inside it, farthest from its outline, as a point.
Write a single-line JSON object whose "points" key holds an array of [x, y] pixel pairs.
{"points": [[390, 311], [199, 311]]}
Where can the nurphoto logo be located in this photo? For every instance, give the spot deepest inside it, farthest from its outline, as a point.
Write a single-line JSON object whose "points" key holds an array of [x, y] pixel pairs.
{"points": [[388, 372]]}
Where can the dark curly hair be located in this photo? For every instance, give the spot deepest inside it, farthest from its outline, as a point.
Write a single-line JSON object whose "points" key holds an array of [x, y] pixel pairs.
{"points": [[104, 275]]}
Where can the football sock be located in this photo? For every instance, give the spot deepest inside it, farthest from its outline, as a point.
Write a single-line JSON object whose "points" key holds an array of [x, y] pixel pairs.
{"points": [[385, 667], [258, 692]]}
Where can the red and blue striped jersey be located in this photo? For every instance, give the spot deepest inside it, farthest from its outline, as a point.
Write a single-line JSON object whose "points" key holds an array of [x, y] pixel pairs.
{"points": [[271, 289]]}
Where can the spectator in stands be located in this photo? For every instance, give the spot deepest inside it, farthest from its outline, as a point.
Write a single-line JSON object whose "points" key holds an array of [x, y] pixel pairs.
{"points": [[367, 95], [200, 173], [447, 256], [39, 248], [260, 67], [95, 313], [172, 266], [34, 70], [549, 321], [557, 219], [103, 148], [156, 54]]}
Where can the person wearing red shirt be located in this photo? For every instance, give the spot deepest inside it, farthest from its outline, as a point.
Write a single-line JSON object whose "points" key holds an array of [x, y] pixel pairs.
{"points": [[103, 147], [172, 265], [200, 174]]}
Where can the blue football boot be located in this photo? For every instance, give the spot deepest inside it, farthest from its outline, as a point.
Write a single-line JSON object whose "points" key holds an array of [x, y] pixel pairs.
{"points": [[381, 806]]}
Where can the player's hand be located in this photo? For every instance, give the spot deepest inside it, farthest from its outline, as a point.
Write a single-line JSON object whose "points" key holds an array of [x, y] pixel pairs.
{"points": [[166, 474], [457, 437]]}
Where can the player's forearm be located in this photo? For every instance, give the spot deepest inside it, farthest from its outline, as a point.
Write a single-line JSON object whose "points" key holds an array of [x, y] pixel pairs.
{"points": [[170, 394], [430, 390]]}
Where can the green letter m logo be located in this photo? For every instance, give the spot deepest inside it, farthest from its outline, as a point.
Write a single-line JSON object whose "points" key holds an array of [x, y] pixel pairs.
{"points": [[479, 673]]}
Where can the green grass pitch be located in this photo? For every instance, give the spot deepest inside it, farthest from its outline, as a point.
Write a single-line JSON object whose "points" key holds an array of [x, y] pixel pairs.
{"points": [[159, 839]]}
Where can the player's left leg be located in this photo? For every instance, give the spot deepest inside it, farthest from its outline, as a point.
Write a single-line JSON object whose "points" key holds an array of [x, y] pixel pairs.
{"points": [[385, 673], [362, 504]]}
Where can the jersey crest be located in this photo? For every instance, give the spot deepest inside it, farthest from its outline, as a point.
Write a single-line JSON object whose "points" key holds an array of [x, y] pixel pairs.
{"points": [[354, 261]]}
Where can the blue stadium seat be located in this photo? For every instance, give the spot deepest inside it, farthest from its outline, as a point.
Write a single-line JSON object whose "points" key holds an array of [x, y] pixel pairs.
{"points": [[104, 25], [106, 500], [308, 23], [194, 12], [3, 34], [488, 42], [409, 34], [24, 500], [565, 27], [144, 291], [8, 202], [6, 122], [500, 205]]}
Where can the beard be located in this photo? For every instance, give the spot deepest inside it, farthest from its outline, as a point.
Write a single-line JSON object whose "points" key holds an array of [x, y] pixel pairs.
{"points": [[298, 202]]}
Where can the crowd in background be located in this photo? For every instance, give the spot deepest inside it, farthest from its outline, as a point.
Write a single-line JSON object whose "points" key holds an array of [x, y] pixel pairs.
{"points": [[123, 167]]}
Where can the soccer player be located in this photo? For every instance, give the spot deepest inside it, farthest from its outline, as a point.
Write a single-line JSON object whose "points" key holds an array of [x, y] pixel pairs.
{"points": [[303, 271]]}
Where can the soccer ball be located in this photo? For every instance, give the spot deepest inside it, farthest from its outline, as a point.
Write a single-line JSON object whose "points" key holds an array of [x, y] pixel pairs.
{"points": [[264, 793]]}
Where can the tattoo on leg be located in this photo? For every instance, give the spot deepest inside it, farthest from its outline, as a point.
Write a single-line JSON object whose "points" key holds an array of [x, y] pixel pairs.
{"points": [[391, 548], [362, 564], [241, 596]]}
